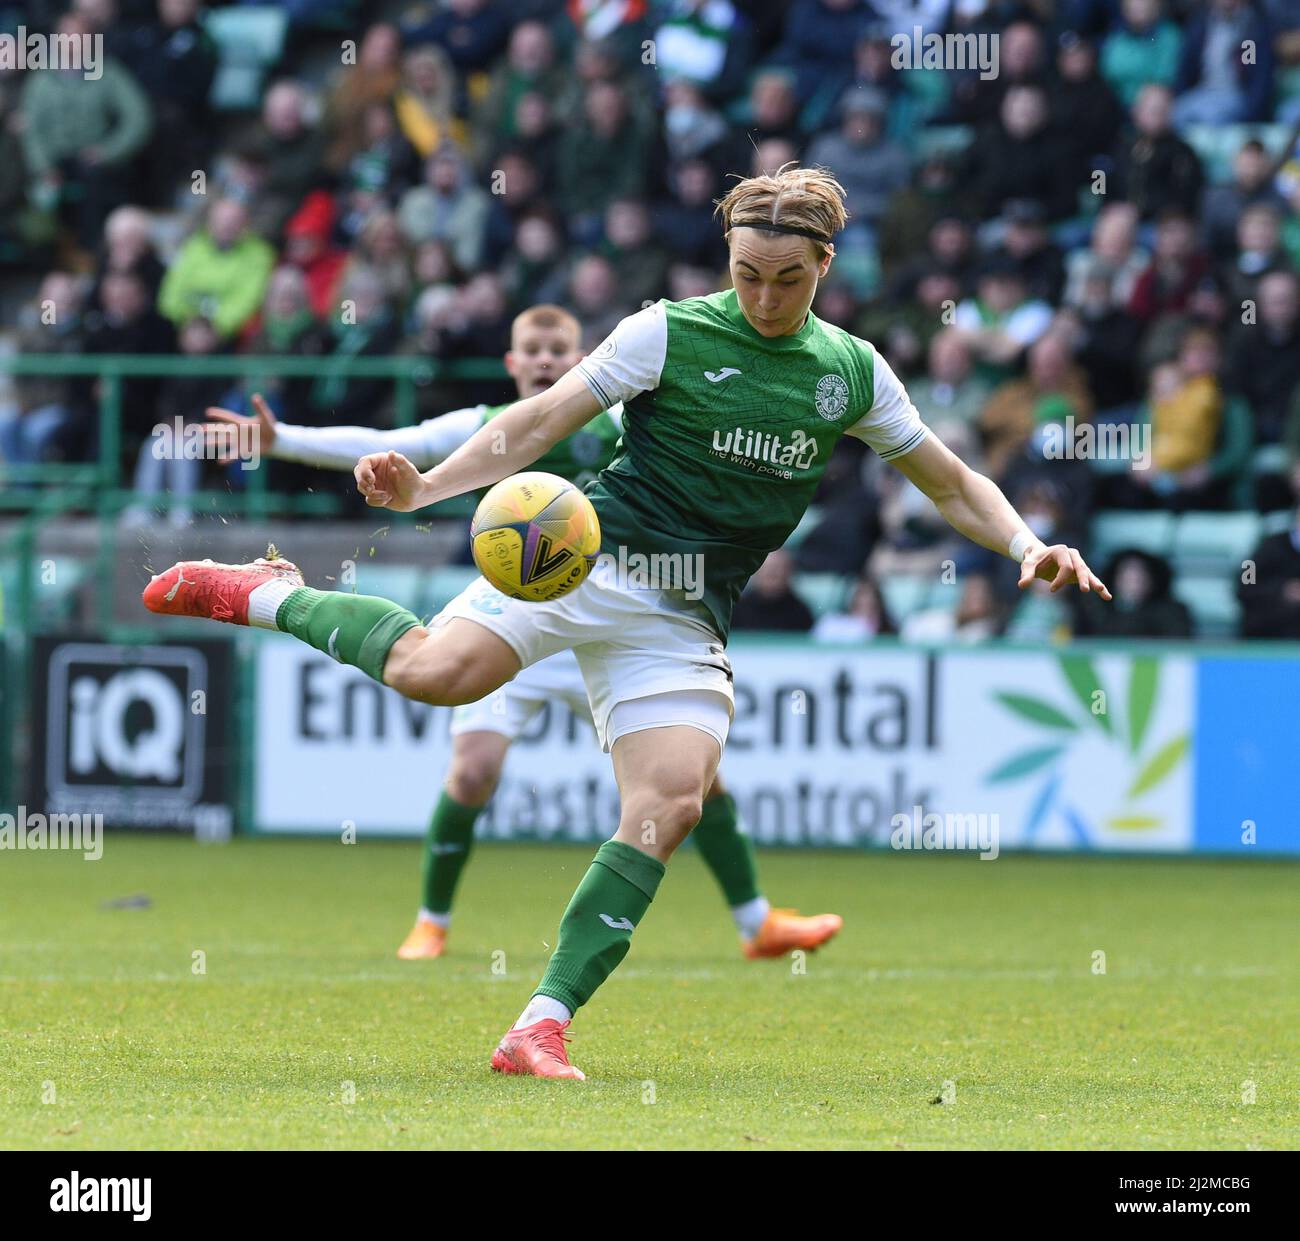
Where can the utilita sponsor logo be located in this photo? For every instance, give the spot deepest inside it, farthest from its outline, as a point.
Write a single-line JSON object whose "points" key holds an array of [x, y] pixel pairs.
{"points": [[797, 453], [121, 1194]]}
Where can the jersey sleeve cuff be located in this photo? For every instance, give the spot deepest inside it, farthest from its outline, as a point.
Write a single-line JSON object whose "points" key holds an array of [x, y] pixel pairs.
{"points": [[906, 446], [596, 390]]}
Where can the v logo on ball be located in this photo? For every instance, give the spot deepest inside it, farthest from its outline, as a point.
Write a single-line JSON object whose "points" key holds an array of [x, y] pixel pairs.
{"points": [[549, 557]]}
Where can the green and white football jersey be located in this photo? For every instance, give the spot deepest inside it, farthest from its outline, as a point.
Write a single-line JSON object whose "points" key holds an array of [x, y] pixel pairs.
{"points": [[726, 433]]}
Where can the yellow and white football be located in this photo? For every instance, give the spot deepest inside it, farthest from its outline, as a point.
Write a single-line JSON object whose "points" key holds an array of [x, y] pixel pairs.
{"points": [[535, 536]]}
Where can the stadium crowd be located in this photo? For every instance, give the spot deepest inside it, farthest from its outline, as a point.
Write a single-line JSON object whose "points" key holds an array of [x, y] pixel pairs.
{"points": [[1103, 235]]}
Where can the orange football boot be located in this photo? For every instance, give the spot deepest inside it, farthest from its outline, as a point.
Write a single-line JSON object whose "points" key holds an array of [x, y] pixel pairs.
{"points": [[537, 1050], [427, 939], [216, 591], [784, 930]]}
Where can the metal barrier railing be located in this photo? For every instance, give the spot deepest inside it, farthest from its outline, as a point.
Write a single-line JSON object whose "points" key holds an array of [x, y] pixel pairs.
{"points": [[103, 474]]}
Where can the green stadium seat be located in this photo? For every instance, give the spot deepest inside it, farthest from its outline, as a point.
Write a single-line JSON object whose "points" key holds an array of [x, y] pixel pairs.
{"points": [[338, 15], [906, 593], [1036, 618], [860, 270], [1270, 459], [1217, 145], [1215, 542], [928, 89], [940, 140], [1212, 598], [249, 39], [1277, 522], [822, 592], [1113, 530]]}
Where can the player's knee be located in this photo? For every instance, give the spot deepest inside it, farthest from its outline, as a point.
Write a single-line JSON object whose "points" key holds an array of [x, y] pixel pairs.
{"points": [[662, 823], [473, 777], [682, 812]]}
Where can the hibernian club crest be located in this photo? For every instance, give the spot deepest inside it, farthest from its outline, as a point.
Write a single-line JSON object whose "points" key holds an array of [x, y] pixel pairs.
{"points": [[831, 397]]}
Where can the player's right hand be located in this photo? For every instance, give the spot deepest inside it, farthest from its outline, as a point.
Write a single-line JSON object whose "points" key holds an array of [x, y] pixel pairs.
{"points": [[389, 480], [221, 432]]}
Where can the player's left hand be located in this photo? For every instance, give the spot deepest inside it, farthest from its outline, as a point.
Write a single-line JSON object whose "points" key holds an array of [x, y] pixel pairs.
{"points": [[1060, 565], [389, 480]]}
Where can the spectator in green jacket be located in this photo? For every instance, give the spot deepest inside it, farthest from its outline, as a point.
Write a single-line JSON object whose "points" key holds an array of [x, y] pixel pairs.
{"points": [[219, 273], [1144, 48], [81, 136], [603, 156]]}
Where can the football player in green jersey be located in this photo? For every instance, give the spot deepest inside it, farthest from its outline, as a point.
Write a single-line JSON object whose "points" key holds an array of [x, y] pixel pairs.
{"points": [[732, 404], [545, 342]]}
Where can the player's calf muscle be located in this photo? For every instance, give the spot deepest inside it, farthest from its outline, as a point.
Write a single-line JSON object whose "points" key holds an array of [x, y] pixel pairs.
{"points": [[433, 666]]}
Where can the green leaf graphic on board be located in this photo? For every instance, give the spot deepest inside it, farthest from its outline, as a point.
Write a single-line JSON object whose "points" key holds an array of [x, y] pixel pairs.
{"points": [[1159, 765], [1134, 823], [1131, 733], [1085, 683], [1142, 678], [1037, 710], [1024, 763]]}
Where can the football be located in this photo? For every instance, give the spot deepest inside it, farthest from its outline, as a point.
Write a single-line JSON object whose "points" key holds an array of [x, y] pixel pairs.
{"points": [[535, 536]]}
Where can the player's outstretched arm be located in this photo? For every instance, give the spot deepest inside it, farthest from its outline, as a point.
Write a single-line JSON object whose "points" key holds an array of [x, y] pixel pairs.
{"points": [[975, 506], [513, 440], [335, 448]]}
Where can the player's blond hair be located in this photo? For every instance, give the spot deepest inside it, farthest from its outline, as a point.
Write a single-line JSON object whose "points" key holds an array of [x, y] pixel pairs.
{"points": [[810, 199], [547, 316]]}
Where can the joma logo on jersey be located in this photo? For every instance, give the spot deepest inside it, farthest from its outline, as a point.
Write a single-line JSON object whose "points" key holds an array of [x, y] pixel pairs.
{"points": [[797, 453]]}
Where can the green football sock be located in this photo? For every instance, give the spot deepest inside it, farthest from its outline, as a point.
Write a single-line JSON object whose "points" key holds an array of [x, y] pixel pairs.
{"points": [[596, 930], [354, 629], [446, 850], [727, 851]]}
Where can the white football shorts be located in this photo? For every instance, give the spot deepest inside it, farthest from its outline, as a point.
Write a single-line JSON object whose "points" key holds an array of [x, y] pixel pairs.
{"points": [[629, 643], [509, 710]]}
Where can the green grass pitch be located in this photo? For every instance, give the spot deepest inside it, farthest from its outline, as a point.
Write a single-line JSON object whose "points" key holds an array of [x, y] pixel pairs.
{"points": [[954, 979]]}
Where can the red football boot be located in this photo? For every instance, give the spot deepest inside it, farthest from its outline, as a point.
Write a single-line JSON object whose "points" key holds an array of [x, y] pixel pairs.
{"points": [[217, 591], [537, 1050]]}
